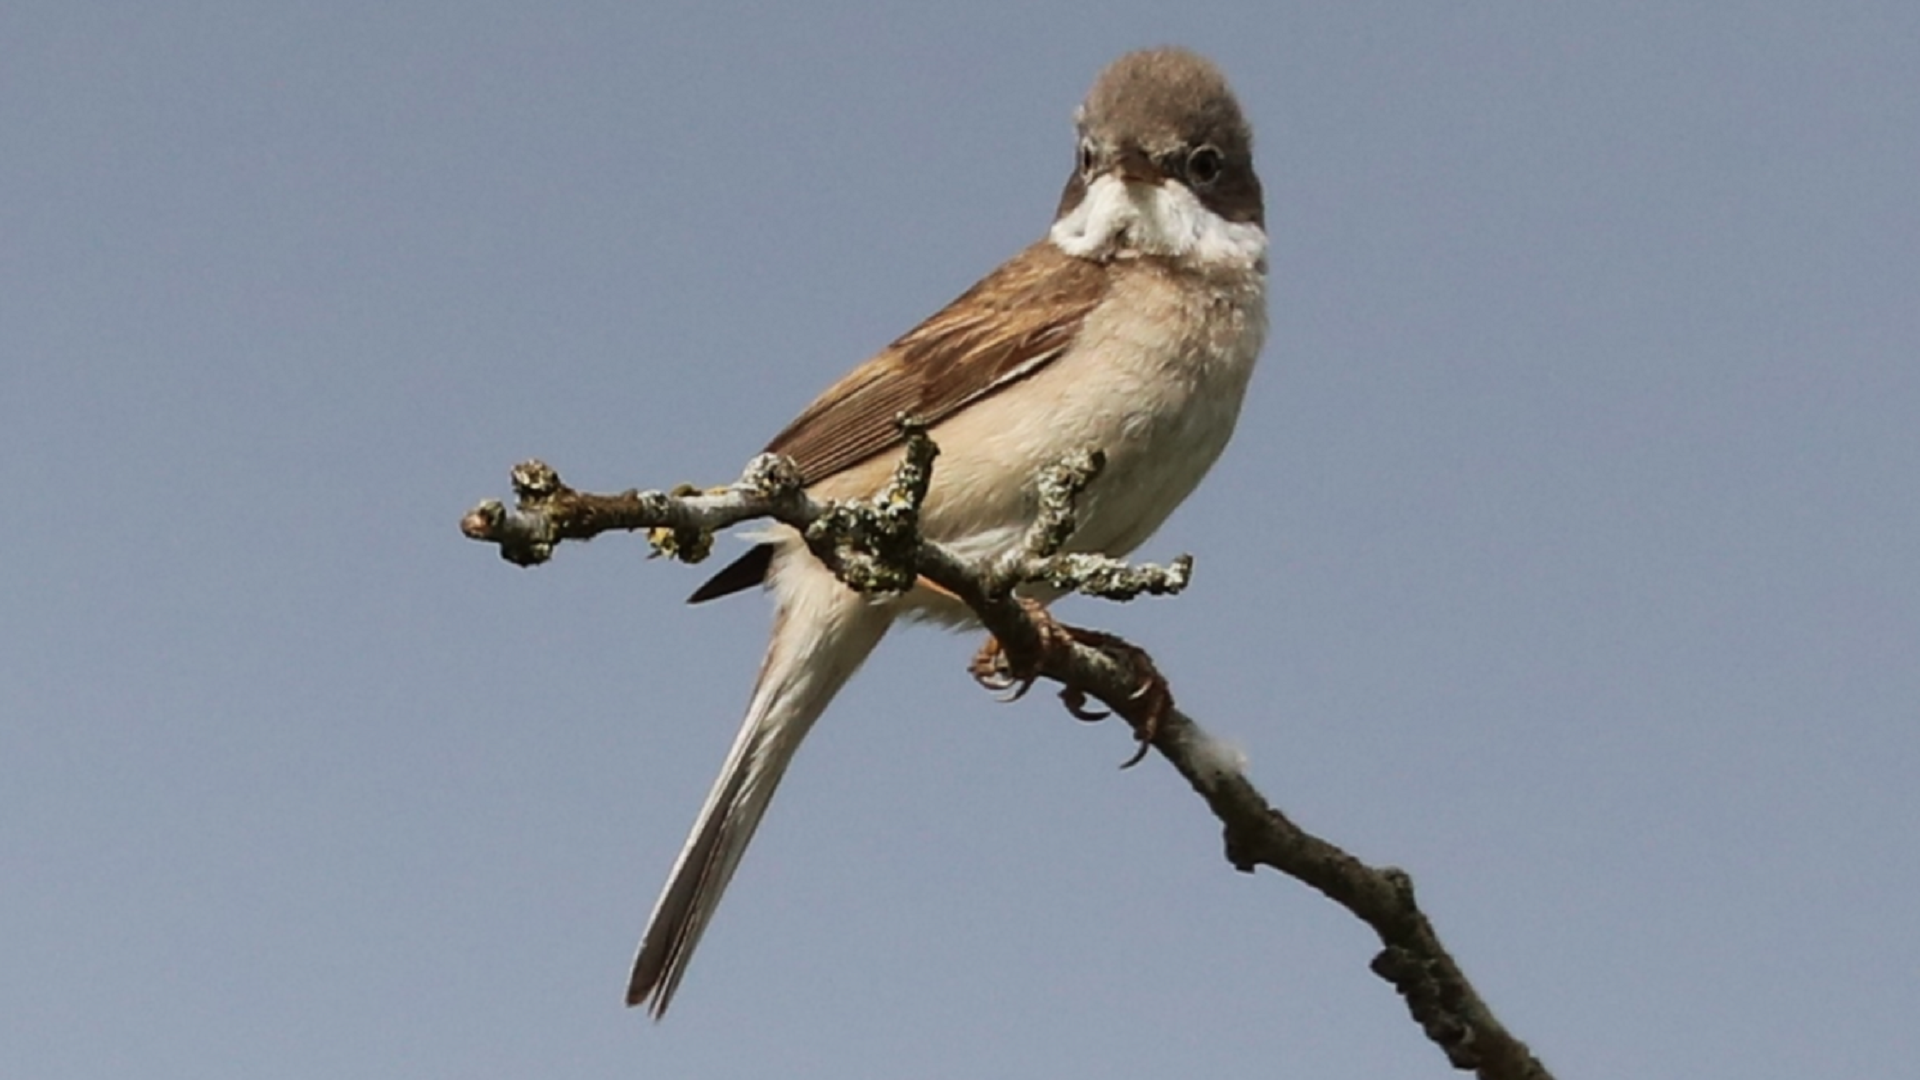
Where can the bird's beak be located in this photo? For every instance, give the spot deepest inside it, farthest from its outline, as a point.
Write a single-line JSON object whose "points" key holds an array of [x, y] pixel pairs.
{"points": [[1132, 165]]}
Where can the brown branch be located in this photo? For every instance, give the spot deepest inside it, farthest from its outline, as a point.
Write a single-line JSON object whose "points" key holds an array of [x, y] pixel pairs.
{"points": [[874, 545]]}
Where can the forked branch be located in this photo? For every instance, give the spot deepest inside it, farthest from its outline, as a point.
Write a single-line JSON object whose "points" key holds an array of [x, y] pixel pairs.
{"points": [[874, 546]]}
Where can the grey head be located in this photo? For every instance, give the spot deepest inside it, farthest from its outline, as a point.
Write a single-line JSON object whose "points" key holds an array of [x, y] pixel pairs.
{"points": [[1167, 115]]}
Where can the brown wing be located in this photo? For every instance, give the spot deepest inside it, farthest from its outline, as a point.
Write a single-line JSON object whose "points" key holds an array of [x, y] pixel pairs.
{"points": [[1010, 325]]}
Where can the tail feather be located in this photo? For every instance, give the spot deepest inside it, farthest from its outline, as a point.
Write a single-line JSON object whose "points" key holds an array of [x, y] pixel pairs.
{"points": [[822, 633], [742, 573]]}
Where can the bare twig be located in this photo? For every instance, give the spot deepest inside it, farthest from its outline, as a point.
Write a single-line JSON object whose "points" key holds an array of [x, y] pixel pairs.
{"points": [[874, 545]]}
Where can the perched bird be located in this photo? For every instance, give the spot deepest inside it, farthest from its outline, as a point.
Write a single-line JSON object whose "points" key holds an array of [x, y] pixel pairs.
{"points": [[1131, 328]]}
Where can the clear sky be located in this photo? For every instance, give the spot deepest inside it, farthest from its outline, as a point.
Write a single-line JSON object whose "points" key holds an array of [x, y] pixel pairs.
{"points": [[1568, 554]]}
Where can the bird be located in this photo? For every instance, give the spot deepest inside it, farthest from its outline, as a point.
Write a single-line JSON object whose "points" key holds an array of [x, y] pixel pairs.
{"points": [[1131, 327]]}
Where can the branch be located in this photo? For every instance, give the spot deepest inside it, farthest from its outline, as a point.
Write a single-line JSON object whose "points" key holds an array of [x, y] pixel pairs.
{"points": [[875, 547]]}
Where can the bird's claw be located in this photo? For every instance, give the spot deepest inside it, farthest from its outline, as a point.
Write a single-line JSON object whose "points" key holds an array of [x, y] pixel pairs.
{"points": [[995, 670], [1075, 699], [1153, 694], [1152, 698], [992, 670]]}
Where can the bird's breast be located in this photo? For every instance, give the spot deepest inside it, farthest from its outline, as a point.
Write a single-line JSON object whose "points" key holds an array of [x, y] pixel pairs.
{"points": [[1154, 379]]}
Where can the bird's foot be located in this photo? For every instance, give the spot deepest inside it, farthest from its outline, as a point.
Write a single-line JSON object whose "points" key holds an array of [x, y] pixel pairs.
{"points": [[994, 669], [1148, 704]]}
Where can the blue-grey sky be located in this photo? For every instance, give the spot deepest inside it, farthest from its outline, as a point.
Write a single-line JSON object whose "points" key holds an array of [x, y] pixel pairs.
{"points": [[1566, 555]]}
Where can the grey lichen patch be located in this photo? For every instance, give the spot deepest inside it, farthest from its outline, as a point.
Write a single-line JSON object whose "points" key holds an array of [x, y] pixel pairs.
{"points": [[770, 476], [534, 480], [1059, 486], [1112, 579], [687, 544], [855, 539], [522, 538], [911, 478], [873, 545]]}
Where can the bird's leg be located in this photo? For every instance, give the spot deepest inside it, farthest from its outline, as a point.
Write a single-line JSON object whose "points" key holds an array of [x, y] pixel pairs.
{"points": [[994, 669], [1149, 703]]}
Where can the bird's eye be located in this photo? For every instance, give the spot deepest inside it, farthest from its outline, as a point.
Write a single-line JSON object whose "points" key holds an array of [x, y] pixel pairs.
{"points": [[1087, 157], [1204, 165]]}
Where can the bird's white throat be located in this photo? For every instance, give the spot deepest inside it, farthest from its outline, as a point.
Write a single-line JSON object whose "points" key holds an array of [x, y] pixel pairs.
{"points": [[1115, 218]]}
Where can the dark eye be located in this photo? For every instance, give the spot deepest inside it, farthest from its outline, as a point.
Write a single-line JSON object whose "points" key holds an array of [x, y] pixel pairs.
{"points": [[1204, 165], [1086, 157]]}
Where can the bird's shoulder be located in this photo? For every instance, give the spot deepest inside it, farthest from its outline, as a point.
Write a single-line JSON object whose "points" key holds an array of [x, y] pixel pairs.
{"points": [[1010, 324]]}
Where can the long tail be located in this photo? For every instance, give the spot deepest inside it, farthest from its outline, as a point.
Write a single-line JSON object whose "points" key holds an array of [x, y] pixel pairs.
{"points": [[822, 632]]}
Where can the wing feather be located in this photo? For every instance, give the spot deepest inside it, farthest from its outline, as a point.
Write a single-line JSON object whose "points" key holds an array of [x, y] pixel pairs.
{"points": [[1014, 322]]}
